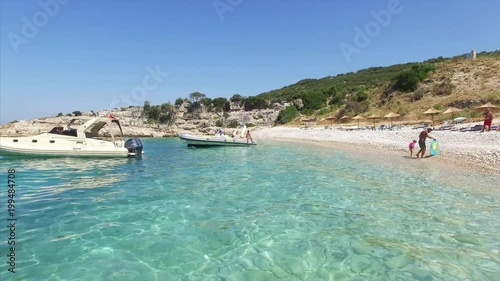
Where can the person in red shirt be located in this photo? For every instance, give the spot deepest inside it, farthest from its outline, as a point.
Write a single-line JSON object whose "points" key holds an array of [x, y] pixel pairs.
{"points": [[488, 119]]}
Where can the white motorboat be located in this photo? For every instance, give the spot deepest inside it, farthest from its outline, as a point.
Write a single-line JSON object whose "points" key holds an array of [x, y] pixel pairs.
{"points": [[237, 138], [83, 136]]}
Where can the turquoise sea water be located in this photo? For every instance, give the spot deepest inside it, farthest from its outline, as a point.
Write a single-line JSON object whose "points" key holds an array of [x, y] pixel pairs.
{"points": [[276, 211]]}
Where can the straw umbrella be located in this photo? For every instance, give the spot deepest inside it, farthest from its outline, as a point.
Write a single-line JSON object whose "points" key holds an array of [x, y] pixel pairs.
{"points": [[345, 117], [358, 117], [391, 115], [331, 118], [432, 111], [305, 120], [488, 105], [452, 110], [374, 117]]}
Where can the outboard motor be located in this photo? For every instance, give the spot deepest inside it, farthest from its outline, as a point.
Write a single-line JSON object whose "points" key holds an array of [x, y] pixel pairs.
{"points": [[134, 147]]}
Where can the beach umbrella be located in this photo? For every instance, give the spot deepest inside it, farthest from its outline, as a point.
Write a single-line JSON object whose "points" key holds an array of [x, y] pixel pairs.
{"points": [[331, 118], [391, 115], [488, 105], [358, 117], [374, 117], [345, 117], [432, 111], [306, 121], [452, 110]]}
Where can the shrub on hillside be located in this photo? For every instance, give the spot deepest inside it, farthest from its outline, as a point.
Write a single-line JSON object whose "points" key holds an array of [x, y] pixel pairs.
{"points": [[207, 102], [179, 101], [221, 104], [445, 88], [337, 99], [341, 112], [417, 95], [307, 112], [403, 110], [356, 107], [233, 123], [286, 115], [324, 111], [360, 97], [407, 80], [313, 101], [255, 103]]}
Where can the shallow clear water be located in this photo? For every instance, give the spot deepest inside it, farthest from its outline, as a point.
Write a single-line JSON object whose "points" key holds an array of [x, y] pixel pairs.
{"points": [[270, 212]]}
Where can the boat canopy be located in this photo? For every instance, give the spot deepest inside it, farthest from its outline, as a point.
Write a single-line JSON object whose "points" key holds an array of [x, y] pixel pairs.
{"points": [[89, 127]]}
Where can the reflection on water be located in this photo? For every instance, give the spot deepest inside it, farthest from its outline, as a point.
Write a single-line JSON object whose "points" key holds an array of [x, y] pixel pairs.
{"points": [[59, 174]]}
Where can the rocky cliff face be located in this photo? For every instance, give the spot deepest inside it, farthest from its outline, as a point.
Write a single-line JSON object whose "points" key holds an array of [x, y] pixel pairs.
{"points": [[134, 124]]}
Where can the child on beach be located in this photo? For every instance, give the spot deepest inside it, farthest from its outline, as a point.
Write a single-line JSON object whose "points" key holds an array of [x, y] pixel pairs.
{"points": [[411, 146]]}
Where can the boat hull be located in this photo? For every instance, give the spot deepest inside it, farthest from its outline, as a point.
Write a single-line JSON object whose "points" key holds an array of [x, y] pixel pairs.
{"points": [[47, 145], [209, 141]]}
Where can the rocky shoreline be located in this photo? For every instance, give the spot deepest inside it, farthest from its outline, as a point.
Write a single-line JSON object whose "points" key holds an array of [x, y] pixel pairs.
{"points": [[135, 125]]}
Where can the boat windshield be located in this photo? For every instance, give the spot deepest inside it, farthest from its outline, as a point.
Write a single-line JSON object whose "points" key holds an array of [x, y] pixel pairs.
{"points": [[100, 130]]}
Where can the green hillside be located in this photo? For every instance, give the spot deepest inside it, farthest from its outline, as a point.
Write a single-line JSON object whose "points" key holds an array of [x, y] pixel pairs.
{"points": [[411, 85]]}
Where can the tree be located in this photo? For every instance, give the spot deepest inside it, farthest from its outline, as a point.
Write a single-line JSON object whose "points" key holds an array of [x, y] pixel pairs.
{"points": [[59, 114], [207, 102], [196, 97], [147, 106], [167, 113], [179, 101], [77, 113], [235, 98], [255, 103], [221, 104], [154, 113]]}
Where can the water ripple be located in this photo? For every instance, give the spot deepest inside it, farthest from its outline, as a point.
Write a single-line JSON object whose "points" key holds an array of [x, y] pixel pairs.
{"points": [[269, 212]]}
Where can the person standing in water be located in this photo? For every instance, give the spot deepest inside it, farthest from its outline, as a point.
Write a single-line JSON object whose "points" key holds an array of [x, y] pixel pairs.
{"points": [[249, 137], [421, 141]]}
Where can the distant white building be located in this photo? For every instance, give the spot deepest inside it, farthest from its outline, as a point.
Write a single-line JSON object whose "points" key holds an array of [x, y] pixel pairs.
{"points": [[471, 55]]}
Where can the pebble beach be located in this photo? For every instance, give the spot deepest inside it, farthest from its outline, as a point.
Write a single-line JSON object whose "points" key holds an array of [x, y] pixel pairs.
{"points": [[469, 150]]}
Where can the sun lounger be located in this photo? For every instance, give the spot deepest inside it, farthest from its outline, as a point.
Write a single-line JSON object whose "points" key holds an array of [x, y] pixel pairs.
{"points": [[445, 128], [471, 129]]}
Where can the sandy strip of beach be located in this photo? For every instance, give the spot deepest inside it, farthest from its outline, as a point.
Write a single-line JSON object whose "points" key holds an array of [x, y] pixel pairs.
{"points": [[470, 151]]}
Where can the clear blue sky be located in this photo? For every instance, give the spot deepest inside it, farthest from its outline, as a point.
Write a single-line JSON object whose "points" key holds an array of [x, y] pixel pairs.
{"points": [[90, 55]]}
